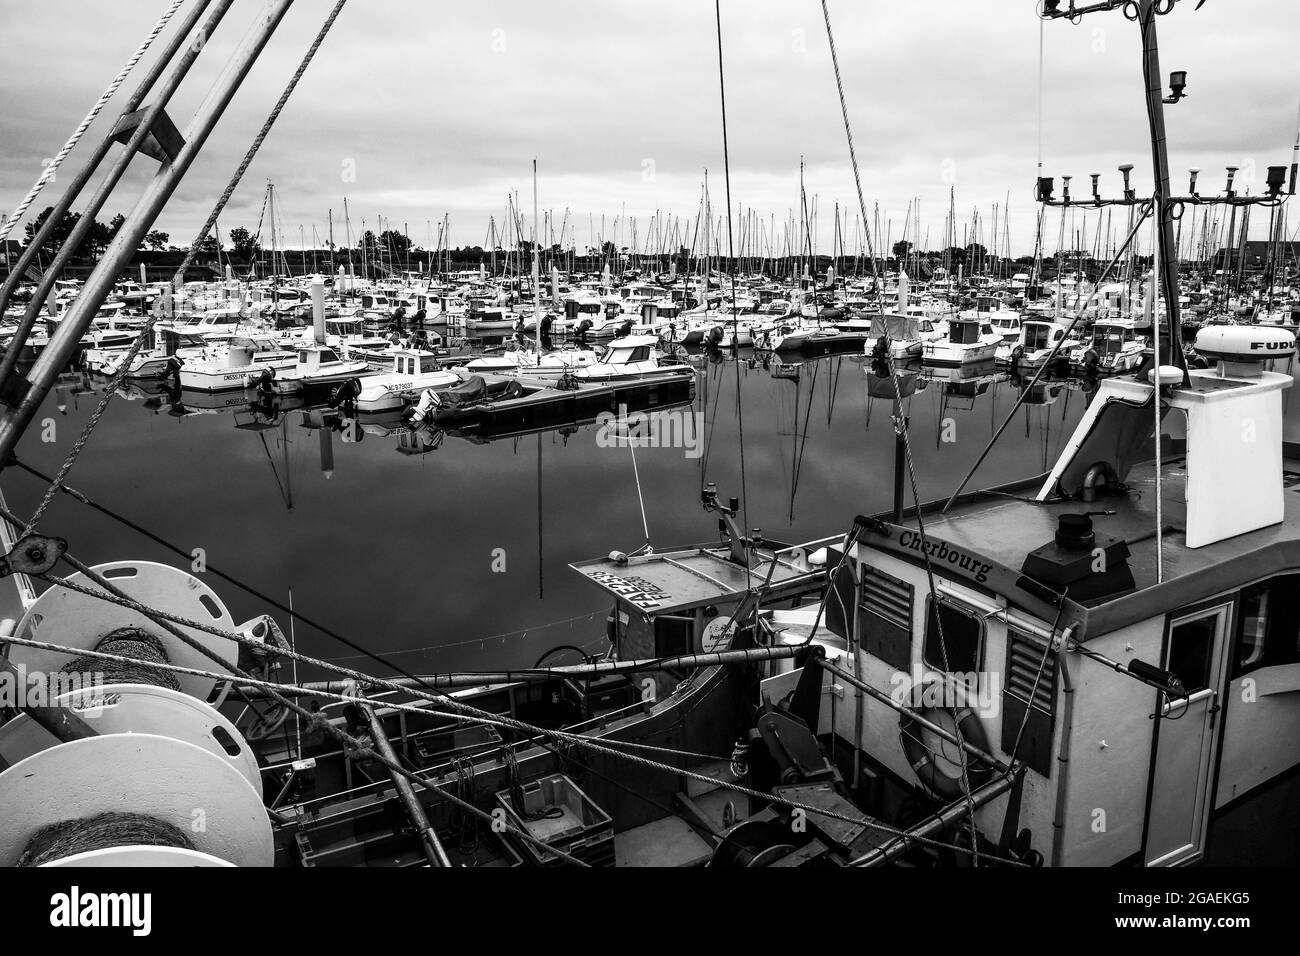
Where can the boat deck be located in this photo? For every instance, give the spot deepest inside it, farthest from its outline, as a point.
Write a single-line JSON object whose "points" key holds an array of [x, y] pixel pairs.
{"points": [[1006, 529]]}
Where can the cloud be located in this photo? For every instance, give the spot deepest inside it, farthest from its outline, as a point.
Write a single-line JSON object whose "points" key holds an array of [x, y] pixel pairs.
{"points": [[441, 108]]}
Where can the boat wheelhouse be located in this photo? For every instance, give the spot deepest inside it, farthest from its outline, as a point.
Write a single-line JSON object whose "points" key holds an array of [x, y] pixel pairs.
{"points": [[1150, 576]]}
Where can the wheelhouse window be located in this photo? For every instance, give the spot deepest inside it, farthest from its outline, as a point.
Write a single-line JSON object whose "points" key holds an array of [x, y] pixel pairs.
{"points": [[1036, 337], [885, 618], [963, 333], [1268, 625], [1029, 701], [962, 637]]}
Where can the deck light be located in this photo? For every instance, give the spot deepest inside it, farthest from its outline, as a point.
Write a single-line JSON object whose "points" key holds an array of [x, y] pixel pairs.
{"points": [[1045, 186], [1065, 189], [1177, 85], [1276, 180], [1192, 187], [710, 494], [1125, 170], [1232, 172], [1096, 192], [1051, 7]]}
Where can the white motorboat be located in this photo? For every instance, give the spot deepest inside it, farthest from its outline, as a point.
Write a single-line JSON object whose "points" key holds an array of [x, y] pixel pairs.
{"points": [[414, 370], [314, 365], [633, 357], [236, 365], [1038, 337], [968, 340], [1117, 345]]}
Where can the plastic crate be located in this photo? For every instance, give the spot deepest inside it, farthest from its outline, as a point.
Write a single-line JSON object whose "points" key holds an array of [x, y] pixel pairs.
{"points": [[580, 828]]}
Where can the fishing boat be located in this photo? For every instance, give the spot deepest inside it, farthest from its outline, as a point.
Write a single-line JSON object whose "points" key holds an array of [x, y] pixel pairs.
{"points": [[413, 371], [1054, 626]]}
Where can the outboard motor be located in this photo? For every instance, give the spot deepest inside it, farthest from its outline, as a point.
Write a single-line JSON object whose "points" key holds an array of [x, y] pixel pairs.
{"points": [[583, 328], [345, 392], [714, 337], [545, 325], [625, 329]]}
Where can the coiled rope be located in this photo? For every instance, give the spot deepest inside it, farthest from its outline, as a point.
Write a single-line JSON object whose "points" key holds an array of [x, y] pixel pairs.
{"points": [[146, 330], [70, 837], [48, 173], [135, 645]]}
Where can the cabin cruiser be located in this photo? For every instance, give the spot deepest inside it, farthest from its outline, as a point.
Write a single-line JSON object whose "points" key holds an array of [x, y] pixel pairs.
{"points": [[314, 365], [1115, 346], [548, 364], [1038, 339], [236, 365], [413, 370], [968, 340], [636, 356], [907, 335]]}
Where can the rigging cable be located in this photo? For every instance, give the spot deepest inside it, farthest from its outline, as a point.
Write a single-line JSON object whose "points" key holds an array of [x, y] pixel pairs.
{"points": [[911, 469], [735, 319], [598, 745], [48, 173], [125, 364]]}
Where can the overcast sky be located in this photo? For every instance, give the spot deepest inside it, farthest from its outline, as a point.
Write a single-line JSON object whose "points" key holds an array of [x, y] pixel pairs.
{"points": [[440, 108]]}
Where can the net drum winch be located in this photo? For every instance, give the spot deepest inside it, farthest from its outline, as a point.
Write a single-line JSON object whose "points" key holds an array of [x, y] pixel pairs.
{"points": [[168, 780]]}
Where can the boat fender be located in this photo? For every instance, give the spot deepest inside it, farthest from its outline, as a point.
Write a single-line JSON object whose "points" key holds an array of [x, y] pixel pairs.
{"points": [[925, 762]]}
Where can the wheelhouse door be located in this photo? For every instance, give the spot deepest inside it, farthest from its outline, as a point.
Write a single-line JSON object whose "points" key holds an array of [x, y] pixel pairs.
{"points": [[1186, 741]]}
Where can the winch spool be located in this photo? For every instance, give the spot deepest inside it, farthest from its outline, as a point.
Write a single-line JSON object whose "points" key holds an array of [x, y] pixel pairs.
{"points": [[121, 708], [132, 642], [72, 619], [170, 782]]}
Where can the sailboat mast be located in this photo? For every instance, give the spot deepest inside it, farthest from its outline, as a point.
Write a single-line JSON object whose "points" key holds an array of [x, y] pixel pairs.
{"points": [[537, 285]]}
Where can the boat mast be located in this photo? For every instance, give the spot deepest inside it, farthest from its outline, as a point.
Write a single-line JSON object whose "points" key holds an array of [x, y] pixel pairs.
{"points": [[537, 279], [22, 403]]}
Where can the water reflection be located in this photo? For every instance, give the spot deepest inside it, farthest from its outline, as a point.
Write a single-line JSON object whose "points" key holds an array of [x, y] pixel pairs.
{"points": [[389, 532]]}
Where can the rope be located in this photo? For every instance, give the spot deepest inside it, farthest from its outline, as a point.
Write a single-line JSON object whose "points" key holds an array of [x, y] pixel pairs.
{"points": [[48, 173], [848, 132], [70, 837], [136, 645], [901, 426], [147, 329], [598, 745]]}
